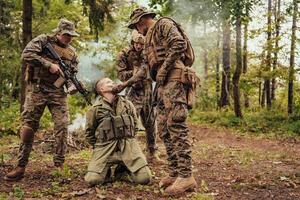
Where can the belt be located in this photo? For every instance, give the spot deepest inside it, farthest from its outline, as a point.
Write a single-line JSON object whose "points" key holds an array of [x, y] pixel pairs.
{"points": [[175, 74]]}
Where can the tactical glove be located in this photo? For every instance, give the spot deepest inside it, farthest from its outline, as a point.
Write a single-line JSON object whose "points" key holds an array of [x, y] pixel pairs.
{"points": [[118, 88]]}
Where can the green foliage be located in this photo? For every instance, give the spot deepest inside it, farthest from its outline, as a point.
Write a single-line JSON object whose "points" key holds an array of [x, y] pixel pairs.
{"points": [[10, 119], [269, 123], [10, 115], [18, 192], [65, 173], [76, 105], [3, 195], [98, 12], [118, 39]]}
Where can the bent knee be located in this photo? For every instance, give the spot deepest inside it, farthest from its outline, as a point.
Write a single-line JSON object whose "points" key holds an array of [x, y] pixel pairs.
{"points": [[142, 176], [93, 178]]}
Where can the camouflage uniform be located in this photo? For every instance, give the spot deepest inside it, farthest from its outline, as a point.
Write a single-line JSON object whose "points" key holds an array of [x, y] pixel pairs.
{"points": [[42, 93], [110, 129], [164, 52], [140, 92]]}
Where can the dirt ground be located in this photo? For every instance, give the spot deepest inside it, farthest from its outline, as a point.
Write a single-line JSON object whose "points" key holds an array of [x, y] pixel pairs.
{"points": [[226, 165]]}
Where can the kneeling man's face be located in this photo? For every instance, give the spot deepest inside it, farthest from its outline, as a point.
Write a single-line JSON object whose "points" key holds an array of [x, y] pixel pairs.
{"points": [[105, 85]]}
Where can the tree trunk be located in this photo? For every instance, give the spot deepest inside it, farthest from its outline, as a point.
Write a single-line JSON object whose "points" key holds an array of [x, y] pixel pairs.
{"points": [[225, 95], [277, 32], [245, 57], [259, 93], [268, 60], [27, 36], [218, 68], [238, 69], [292, 58], [205, 59], [263, 96]]}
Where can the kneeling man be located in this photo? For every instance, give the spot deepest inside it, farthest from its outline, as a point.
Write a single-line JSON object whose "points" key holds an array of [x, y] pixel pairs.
{"points": [[110, 129]]}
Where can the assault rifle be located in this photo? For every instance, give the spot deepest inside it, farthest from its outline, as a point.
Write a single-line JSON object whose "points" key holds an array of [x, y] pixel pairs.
{"points": [[154, 103], [68, 75]]}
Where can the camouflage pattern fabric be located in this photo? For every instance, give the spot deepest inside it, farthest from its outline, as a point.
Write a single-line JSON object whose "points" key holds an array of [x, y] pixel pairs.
{"points": [[40, 94], [130, 69], [172, 108]]}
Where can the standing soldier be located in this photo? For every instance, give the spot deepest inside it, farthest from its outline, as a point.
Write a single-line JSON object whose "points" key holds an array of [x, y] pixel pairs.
{"points": [[45, 88], [169, 55], [133, 74]]}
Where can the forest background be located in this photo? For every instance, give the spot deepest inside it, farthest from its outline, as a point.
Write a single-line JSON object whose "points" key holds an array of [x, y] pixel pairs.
{"points": [[247, 54]]}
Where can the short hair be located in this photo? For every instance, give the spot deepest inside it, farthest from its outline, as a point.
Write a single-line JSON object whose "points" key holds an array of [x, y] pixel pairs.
{"points": [[100, 82]]}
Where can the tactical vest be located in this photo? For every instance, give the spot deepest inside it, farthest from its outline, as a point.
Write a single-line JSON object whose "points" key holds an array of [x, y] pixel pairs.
{"points": [[114, 127], [156, 48], [44, 76]]}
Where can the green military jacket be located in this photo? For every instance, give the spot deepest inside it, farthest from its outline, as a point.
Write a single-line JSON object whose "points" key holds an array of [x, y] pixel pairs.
{"points": [[130, 151]]}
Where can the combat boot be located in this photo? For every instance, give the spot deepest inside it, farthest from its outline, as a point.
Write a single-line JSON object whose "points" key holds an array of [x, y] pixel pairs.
{"points": [[15, 175], [167, 181], [154, 159], [181, 185]]}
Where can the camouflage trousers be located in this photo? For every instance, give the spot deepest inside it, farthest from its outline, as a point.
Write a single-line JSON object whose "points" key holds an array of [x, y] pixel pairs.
{"points": [[172, 128], [36, 102], [142, 102], [150, 126]]}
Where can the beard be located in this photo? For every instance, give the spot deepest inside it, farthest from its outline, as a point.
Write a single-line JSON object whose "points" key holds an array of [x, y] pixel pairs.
{"points": [[144, 31]]}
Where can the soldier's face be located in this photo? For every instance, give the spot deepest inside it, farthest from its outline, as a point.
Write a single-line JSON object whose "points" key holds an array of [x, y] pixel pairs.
{"points": [[138, 46], [105, 85], [141, 27], [64, 38]]}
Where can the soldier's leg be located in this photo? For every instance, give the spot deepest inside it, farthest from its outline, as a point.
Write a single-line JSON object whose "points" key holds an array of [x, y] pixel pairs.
{"points": [[178, 129], [175, 95], [150, 127], [34, 107], [94, 178], [142, 176], [166, 138], [58, 107]]}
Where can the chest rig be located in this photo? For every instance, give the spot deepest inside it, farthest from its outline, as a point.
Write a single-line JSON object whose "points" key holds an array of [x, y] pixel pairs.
{"points": [[114, 126], [42, 75], [156, 47]]}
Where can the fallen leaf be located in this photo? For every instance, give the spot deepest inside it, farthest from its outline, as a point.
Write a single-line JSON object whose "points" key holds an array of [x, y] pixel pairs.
{"points": [[283, 178], [100, 196], [80, 192]]}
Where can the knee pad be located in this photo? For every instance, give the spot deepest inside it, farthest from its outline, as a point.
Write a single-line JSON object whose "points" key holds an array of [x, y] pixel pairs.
{"points": [[27, 134]]}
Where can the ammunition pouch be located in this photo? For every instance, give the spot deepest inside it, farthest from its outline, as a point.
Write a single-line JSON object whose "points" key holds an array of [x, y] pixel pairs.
{"points": [[156, 55], [189, 78], [115, 127], [41, 74]]}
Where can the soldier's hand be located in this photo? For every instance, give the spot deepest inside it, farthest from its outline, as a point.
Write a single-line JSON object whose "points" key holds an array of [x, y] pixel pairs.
{"points": [[54, 69], [118, 88], [72, 89]]}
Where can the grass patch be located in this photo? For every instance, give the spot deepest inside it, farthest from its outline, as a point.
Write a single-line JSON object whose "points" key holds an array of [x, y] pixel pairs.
{"points": [[263, 123], [4, 195], [200, 196]]}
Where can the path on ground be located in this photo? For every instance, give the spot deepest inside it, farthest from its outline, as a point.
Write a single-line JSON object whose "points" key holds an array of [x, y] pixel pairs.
{"points": [[226, 165]]}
